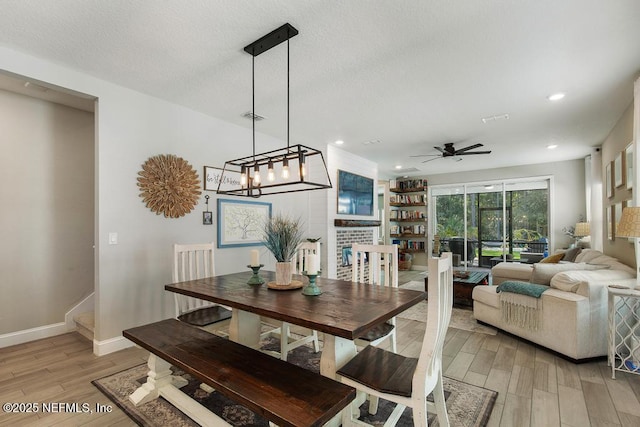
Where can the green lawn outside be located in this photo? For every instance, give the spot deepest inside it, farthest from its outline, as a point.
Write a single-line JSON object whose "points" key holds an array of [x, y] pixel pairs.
{"points": [[498, 253]]}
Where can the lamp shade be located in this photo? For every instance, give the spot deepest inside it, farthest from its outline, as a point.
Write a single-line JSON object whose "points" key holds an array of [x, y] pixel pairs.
{"points": [[582, 229], [629, 225]]}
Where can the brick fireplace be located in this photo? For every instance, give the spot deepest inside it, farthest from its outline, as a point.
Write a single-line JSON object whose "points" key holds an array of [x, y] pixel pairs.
{"points": [[345, 237]]}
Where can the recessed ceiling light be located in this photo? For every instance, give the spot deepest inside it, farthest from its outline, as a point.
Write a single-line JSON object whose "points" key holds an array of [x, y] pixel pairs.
{"points": [[339, 142], [398, 166], [552, 146], [489, 187], [556, 96]]}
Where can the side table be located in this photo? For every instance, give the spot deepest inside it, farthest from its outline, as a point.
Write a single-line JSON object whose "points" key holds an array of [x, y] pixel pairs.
{"points": [[624, 327]]}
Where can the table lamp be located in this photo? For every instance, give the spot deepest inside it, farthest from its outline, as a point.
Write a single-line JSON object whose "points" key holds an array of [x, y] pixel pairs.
{"points": [[582, 230], [629, 226]]}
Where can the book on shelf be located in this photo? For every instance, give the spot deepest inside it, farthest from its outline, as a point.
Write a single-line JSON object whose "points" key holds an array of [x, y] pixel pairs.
{"points": [[408, 184]]}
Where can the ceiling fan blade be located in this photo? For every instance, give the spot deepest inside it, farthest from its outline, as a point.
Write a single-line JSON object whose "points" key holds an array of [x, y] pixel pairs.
{"points": [[440, 149], [466, 153], [430, 160], [471, 147]]}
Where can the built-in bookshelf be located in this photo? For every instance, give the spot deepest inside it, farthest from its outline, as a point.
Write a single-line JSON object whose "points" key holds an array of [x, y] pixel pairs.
{"points": [[408, 215]]}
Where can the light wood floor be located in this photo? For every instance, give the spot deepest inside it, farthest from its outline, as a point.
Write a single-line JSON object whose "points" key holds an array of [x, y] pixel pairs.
{"points": [[535, 387]]}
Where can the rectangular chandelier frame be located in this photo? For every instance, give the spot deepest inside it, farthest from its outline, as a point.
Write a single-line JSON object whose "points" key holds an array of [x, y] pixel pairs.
{"points": [[299, 156]]}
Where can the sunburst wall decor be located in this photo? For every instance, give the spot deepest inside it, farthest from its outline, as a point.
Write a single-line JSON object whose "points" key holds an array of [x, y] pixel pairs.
{"points": [[169, 185]]}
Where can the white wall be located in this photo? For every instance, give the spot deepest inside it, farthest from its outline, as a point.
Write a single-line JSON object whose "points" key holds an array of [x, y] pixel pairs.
{"points": [[130, 128], [46, 223], [568, 194], [343, 160], [621, 135]]}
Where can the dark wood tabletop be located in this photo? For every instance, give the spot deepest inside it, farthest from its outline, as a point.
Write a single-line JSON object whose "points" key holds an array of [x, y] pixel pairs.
{"points": [[344, 309]]}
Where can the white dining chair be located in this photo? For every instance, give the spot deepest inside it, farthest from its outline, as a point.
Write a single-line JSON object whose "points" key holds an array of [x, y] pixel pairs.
{"points": [[190, 262], [287, 341], [376, 265], [404, 380]]}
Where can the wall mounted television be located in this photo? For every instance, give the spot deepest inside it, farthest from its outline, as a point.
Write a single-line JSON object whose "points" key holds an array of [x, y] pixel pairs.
{"points": [[355, 194]]}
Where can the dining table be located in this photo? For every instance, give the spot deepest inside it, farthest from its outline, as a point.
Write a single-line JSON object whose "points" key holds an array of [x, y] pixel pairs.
{"points": [[344, 310]]}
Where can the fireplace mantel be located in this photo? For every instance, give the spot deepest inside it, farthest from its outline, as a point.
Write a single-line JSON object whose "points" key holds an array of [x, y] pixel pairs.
{"points": [[356, 223]]}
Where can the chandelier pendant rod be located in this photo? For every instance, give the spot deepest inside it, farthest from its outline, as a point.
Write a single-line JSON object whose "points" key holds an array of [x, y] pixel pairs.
{"points": [[253, 102], [287, 94]]}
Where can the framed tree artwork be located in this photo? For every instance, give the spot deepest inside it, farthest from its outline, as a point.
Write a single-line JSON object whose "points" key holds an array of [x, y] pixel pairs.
{"points": [[240, 222]]}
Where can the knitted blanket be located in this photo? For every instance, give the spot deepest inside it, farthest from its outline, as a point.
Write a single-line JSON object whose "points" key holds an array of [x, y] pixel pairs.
{"points": [[520, 303], [523, 288]]}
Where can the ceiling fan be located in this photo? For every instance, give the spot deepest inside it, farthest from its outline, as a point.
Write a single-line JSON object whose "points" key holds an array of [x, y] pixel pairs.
{"points": [[449, 151]]}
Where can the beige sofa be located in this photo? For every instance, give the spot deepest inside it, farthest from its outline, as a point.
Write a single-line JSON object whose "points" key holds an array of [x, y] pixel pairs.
{"points": [[571, 316]]}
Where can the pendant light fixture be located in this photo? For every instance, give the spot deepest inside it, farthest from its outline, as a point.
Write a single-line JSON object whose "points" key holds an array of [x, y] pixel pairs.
{"points": [[301, 168]]}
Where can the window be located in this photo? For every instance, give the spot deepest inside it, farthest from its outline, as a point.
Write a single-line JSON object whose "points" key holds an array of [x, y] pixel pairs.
{"points": [[495, 219]]}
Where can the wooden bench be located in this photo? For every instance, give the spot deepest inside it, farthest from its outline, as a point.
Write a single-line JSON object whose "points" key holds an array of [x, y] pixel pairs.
{"points": [[285, 394]]}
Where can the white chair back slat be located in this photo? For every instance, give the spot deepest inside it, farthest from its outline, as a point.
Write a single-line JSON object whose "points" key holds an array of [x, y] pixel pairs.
{"points": [[191, 262], [440, 303], [380, 262]]}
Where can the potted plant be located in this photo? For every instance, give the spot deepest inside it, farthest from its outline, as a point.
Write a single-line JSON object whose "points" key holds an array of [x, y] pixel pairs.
{"points": [[282, 236]]}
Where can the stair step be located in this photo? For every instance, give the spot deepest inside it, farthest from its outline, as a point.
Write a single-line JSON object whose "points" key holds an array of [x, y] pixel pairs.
{"points": [[85, 324]]}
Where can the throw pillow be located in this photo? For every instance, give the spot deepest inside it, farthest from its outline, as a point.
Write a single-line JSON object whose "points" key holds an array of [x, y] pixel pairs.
{"points": [[553, 259], [571, 254], [568, 282]]}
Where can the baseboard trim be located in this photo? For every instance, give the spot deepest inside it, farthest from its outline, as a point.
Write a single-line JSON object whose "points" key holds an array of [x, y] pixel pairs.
{"points": [[46, 331], [100, 348]]}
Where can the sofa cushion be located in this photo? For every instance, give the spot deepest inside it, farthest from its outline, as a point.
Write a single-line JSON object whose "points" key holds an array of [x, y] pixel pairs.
{"points": [[511, 271], [553, 259], [487, 295], [586, 255], [543, 273], [592, 256]]}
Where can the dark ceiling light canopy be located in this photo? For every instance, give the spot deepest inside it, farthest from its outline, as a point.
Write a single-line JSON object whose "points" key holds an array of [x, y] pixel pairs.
{"points": [[302, 168]]}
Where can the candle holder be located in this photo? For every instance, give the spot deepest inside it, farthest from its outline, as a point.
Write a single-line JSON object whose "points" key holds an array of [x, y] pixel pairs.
{"points": [[311, 289], [255, 278]]}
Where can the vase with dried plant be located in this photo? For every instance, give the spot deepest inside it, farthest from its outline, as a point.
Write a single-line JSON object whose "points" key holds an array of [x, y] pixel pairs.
{"points": [[282, 236]]}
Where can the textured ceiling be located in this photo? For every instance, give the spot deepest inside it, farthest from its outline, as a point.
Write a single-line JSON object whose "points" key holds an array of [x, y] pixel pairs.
{"points": [[409, 74]]}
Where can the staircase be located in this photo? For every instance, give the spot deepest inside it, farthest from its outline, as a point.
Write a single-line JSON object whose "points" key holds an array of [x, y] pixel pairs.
{"points": [[85, 324]]}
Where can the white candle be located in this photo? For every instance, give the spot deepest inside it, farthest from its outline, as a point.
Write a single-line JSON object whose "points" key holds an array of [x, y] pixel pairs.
{"points": [[312, 264], [255, 258]]}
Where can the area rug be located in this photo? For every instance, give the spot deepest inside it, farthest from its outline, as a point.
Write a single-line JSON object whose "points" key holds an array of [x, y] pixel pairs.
{"points": [[460, 318], [467, 405]]}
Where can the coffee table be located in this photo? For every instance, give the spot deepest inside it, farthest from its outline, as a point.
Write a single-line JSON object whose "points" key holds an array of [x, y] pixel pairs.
{"points": [[463, 286]]}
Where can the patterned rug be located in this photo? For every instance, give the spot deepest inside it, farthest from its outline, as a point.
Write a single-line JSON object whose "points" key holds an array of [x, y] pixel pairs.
{"points": [[467, 405], [460, 318]]}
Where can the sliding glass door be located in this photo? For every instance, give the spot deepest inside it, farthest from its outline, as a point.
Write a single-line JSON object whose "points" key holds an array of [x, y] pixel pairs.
{"points": [[486, 223]]}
